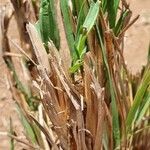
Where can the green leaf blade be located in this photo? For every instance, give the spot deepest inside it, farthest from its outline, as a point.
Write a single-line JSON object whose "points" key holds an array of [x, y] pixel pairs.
{"points": [[112, 9], [91, 16], [47, 22], [68, 25], [138, 99]]}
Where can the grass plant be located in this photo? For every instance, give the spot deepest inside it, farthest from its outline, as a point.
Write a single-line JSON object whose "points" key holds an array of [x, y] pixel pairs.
{"points": [[96, 103]]}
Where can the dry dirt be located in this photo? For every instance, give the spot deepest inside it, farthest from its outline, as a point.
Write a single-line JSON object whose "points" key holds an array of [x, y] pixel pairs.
{"points": [[136, 49], [138, 36]]}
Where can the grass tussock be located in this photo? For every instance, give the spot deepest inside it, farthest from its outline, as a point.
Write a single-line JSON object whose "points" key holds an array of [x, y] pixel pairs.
{"points": [[70, 81]]}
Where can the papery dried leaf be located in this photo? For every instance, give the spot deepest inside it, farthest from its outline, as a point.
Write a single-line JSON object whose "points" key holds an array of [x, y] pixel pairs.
{"points": [[91, 120], [109, 48], [64, 48], [39, 49], [73, 95], [44, 131]]}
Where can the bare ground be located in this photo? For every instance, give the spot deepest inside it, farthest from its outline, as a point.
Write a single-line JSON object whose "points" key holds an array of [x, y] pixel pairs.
{"points": [[138, 36]]}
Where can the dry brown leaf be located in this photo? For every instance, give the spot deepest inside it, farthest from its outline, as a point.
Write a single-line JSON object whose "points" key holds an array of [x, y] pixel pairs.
{"points": [[39, 49], [64, 48]]}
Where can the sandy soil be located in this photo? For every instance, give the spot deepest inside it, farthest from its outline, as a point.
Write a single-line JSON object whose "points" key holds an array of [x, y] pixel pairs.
{"points": [[138, 36], [136, 49]]}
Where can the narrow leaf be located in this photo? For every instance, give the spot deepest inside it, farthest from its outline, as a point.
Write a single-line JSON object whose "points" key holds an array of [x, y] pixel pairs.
{"points": [[144, 107], [138, 99], [114, 109], [112, 8], [91, 16], [47, 23], [29, 131], [68, 26]]}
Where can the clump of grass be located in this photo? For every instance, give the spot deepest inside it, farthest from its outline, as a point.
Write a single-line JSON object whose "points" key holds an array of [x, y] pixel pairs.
{"points": [[95, 103]]}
